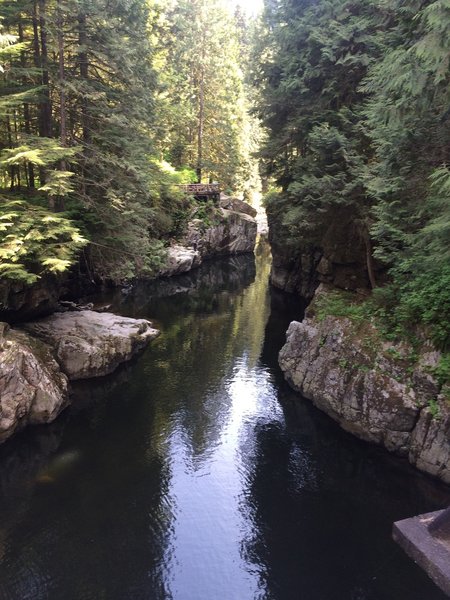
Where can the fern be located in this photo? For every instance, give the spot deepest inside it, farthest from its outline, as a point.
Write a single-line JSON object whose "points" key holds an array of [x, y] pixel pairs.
{"points": [[34, 241]]}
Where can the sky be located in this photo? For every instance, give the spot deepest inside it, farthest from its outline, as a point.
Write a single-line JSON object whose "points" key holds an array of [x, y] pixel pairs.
{"points": [[252, 7]]}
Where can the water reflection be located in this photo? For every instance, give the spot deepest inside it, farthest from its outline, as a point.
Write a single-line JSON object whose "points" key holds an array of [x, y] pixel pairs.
{"points": [[336, 499], [195, 473]]}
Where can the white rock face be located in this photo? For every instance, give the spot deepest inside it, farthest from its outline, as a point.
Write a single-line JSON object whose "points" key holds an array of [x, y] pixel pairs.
{"points": [[90, 344], [229, 232], [232, 233], [366, 388], [180, 259], [32, 388]]}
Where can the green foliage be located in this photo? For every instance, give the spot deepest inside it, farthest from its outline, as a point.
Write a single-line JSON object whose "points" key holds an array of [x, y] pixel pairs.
{"points": [[442, 371], [420, 299], [204, 114], [341, 304], [206, 212], [185, 175], [355, 99], [433, 407], [86, 136], [34, 241], [39, 151]]}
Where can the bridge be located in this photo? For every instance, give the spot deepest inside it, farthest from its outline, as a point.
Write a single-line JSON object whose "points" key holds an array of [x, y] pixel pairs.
{"points": [[202, 191]]}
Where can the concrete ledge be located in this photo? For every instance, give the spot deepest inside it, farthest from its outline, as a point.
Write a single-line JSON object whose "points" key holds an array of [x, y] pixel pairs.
{"points": [[430, 551]]}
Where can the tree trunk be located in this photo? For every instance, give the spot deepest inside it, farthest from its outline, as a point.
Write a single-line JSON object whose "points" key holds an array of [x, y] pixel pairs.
{"points": [[62, 95], [201, 117], [16, 137], [83, 65], [38, 65], [369, 258], [26, 111], [201, 107], [10, 142], [84, 70], [45, 107]]}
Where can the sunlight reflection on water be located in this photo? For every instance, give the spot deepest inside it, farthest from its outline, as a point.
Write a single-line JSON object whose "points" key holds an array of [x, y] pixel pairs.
{"points": [[210, 497]]}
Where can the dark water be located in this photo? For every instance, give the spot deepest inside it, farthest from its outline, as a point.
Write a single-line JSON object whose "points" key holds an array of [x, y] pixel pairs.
{"points": [[194, 473]]}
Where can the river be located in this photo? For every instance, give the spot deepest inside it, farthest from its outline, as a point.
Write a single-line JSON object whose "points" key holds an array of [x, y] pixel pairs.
{"points": [[195, 473]]}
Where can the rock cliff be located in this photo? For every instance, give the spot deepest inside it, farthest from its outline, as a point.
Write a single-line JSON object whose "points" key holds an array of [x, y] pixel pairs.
{"points": [[339, 259], [370, 388]]}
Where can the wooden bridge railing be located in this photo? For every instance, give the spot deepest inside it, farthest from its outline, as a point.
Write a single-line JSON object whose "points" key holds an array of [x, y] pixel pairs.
{"points": [[202, 191]]}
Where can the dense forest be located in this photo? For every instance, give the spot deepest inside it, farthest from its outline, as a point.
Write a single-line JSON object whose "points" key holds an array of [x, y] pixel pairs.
{"points": [[355, 97], [104, 107], [345, 106]]}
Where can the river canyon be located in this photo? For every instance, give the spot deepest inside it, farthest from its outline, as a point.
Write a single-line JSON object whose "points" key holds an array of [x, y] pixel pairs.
{"points": [[195, 473]]}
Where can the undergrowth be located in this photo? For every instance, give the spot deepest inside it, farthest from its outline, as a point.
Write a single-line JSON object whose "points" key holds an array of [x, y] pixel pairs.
{"points": [[391, 328]]}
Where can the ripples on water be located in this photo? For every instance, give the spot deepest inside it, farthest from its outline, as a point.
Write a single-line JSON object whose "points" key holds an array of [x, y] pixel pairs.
{"points": [[194, 473]]}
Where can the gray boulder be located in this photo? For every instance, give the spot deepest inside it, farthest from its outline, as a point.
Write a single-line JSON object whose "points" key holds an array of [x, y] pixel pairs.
{"points": [[32, 388], [229, 233], [90, 344]]}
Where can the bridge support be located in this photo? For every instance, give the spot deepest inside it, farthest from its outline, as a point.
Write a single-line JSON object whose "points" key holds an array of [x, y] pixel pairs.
{"points": [[426, 539]]}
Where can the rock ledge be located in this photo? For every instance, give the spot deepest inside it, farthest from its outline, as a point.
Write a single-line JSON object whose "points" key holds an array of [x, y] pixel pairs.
{"points": [[37, 361], [227, 233], [90, 344]]}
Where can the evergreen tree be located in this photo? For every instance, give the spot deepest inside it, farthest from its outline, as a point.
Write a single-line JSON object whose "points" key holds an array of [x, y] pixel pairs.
{"points": [[206, 112], [77, 125], [316, 56], [355, 98], [409, 122]]}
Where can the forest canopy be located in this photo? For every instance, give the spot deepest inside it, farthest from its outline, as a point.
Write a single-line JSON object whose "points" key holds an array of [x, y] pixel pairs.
{"points": [[355, 96], [105, 107]]}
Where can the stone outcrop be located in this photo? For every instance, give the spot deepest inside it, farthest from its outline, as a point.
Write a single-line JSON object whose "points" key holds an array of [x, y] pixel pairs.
{"points": [[37, 361], [295, 271], [20, 301], [229, 233], [223, 233], [430, 441], [90, 344], [32, 388], [369, 388], [180, 259]]}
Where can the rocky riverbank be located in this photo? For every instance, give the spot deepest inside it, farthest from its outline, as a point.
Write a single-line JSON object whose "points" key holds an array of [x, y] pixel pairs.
{"points": [[38, 360], [223, 232], [371, 388]]}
